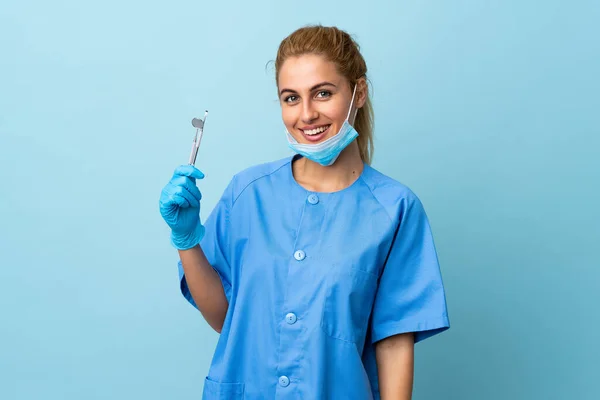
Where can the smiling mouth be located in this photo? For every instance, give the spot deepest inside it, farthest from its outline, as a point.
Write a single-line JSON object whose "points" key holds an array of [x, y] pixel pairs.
{"points": [[315, 134], [316, 131]]}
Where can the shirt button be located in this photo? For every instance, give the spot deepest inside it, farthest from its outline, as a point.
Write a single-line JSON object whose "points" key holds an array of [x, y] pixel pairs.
{"points": [[299, 255], [291, 318], [313, 199], [284, 381]]}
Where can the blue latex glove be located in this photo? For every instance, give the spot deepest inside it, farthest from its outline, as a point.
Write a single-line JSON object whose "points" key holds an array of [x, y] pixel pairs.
{"points": [[180, 207]]}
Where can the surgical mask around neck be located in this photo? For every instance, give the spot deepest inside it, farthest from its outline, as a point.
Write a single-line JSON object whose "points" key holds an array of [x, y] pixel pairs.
{"points": [[327, 151]]}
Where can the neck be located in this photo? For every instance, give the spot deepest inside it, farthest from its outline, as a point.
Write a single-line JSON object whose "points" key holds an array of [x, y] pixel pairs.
{"points": [[343, 173]]}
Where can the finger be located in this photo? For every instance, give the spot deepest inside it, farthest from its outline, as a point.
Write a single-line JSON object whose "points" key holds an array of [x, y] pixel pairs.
{"points": [[190, 171], [170, 198], [192, 189], [181, 201], [183, 193], [188, 184]]}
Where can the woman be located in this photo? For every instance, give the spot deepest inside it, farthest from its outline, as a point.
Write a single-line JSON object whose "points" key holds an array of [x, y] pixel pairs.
{"points": [[319, 272]]}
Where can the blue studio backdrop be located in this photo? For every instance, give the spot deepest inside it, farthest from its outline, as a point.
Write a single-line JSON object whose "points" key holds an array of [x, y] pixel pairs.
{"points": [[488, 110]]}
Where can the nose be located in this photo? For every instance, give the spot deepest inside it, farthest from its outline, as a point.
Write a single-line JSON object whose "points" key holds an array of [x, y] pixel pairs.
{"points": [[309, 113]]}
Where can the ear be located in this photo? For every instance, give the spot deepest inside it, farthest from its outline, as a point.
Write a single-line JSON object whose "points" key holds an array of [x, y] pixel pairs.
{"points": [[362, 92]]}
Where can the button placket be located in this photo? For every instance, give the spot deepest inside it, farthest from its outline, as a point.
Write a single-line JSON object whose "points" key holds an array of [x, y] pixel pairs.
{"points": [[293, 334]]}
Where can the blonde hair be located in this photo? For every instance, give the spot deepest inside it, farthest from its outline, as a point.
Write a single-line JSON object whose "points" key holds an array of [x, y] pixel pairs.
{"points": [[340, 48]]}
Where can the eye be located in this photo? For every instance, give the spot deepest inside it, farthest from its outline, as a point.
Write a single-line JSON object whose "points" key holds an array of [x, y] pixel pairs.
{"points": [[290, 99], [323, 94]]}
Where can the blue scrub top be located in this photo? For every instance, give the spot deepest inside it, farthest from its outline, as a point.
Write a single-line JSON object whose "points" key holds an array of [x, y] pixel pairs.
{"points": [[314, 280]]}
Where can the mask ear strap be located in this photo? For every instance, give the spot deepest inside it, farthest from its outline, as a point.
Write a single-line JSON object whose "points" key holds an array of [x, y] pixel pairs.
{"points": [[352, 102]]}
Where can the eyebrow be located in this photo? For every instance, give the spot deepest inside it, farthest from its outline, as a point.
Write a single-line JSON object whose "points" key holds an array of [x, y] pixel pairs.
{"points": [[318, 85]]}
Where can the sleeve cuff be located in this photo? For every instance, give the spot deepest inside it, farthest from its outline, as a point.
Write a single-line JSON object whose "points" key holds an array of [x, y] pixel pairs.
{"points": [[422, 329]]}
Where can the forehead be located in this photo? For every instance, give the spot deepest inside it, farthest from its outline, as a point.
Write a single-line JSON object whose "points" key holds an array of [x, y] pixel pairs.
{"points": [[306, 71]]}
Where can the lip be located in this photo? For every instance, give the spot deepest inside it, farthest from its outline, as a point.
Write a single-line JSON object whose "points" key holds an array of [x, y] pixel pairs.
{"points": [[315, 138]]}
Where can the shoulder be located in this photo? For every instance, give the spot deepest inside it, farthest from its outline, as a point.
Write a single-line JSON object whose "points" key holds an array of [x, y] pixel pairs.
{"points": [[255, 174], [393, 195]]}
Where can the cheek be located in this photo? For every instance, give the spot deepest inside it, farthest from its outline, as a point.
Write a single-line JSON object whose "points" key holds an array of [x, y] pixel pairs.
{"points": [[333, 112], [288, 116]]}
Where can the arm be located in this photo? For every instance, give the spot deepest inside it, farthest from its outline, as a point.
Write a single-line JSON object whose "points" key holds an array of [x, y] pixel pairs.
{"points": [[205, 286], [179, 206], [395, 363]]}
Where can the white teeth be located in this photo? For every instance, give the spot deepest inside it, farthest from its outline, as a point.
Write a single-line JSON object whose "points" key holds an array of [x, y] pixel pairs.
{"points": [[317, 130]]}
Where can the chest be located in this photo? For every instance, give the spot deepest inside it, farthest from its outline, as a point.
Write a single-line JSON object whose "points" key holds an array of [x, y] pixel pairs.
{"points": [[320, 256], [323, 231]]}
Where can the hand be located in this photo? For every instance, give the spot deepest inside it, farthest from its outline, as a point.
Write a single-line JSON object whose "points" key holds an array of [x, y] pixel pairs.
{"points": [[180, 207]]}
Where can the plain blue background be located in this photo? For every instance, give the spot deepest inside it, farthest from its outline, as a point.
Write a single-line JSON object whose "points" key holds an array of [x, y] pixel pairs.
{"points": [[488, 110]]}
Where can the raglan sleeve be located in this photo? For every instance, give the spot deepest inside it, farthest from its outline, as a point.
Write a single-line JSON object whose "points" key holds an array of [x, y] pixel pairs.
{"points": [[411, 295]]}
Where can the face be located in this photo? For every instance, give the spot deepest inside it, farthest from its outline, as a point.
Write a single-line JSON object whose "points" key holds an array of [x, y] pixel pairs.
{"points": [[314, 98]]}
